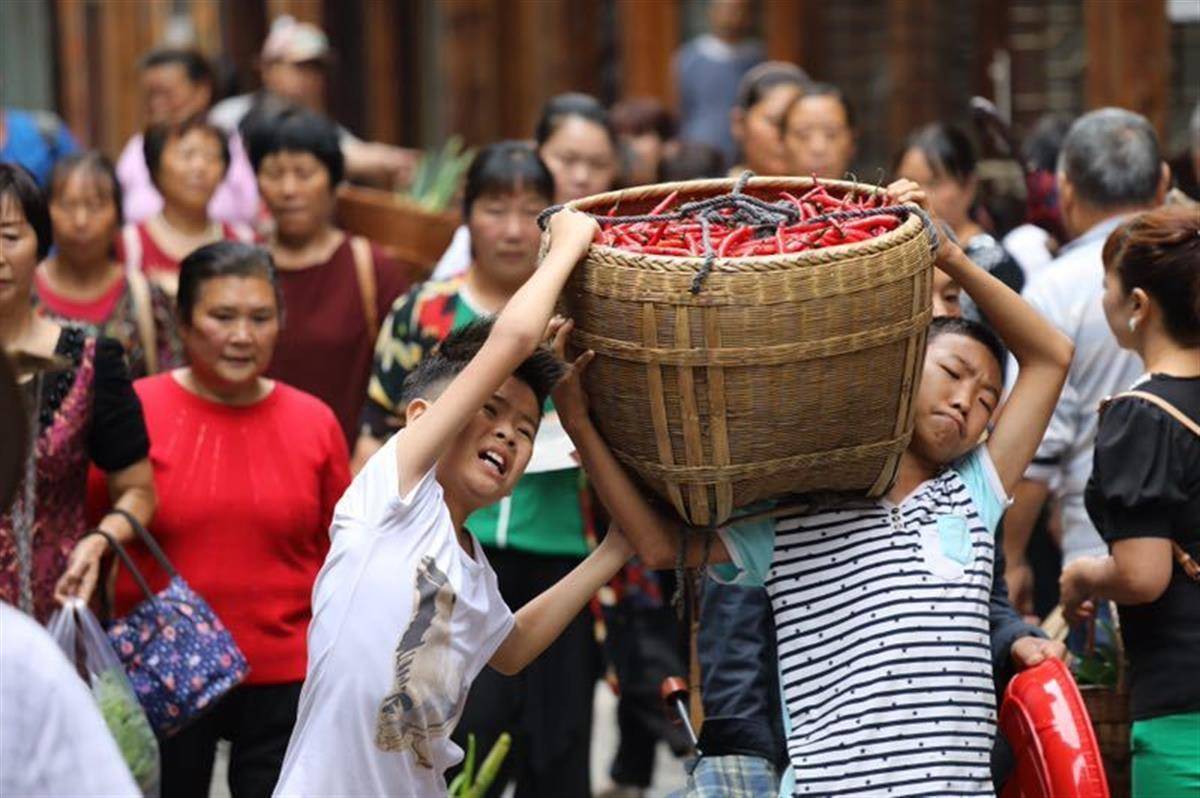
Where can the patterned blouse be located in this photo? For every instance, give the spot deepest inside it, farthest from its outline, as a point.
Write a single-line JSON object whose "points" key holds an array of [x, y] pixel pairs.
{"points": [[87, 411], [121, 324]]}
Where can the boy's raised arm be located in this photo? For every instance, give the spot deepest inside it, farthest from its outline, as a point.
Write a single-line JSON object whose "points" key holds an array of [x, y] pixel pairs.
{"points": [[654, 537], [1043, 353], [517, 331], [541, 621]]}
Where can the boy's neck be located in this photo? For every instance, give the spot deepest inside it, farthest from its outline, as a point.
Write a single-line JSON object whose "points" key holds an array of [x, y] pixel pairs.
{"points": [[458, 516], [912, 472]]}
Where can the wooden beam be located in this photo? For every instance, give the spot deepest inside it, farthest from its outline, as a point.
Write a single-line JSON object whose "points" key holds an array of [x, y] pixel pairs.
{"points": [[911, 66], [121, 40], [469, 55], [1129, 61], [785, 29], [384, 71], [648, 35], [527, 43], [73, 96]]}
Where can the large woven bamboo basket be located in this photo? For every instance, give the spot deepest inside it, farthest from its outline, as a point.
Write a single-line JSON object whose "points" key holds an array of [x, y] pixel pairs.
{"points": [[783, 376]]}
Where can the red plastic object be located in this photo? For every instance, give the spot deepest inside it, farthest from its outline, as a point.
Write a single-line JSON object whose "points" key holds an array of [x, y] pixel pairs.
{"points": [[1046, 723]]}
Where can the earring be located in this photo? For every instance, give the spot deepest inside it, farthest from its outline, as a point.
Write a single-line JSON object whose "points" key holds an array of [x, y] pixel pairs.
{"points": [[1133, 325]]}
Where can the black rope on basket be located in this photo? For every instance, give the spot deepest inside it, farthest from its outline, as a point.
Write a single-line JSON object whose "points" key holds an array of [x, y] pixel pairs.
{"points": [[748, 211]]}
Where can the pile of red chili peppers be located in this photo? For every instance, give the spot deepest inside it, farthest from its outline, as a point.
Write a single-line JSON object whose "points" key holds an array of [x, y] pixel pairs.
{"points": [[814, 224]]}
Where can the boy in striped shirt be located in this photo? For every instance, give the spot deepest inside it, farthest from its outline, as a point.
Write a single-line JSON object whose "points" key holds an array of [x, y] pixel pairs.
{"points": [[882, 608]]}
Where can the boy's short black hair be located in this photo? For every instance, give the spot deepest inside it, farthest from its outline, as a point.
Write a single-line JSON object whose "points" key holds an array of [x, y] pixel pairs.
{"points": [[156, 137], [540, 371], [20, 185], [977, 331], [274, 128]]}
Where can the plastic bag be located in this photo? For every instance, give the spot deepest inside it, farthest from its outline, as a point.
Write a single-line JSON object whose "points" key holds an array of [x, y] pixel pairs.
{"points": [[81, 637]]}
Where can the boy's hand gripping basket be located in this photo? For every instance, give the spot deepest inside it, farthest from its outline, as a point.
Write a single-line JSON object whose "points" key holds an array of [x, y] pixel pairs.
{"points": [[779, 376]]}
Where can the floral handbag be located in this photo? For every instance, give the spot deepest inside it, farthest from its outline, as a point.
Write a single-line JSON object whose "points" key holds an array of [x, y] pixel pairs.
{"points": [[179, 657]]}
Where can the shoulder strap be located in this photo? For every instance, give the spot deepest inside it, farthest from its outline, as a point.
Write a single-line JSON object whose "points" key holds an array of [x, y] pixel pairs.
{"points": [[1184, 559], [364, 269], [132, 244], [1163, 405], [143, 316]]}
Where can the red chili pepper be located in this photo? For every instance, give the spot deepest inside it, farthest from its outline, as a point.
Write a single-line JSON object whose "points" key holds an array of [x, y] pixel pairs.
{"points": [[740, 234], [662, 206], [658, 234], [799, 205], [831, 237], [627, 238], [678, 252], [884, 220]]}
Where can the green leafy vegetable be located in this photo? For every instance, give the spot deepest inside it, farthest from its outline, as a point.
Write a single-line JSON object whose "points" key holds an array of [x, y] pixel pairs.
{"points": [[438, 175], [127, 722]]}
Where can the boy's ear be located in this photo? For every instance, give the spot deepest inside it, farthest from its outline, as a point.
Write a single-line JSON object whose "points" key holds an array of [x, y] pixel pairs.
{"points": [[415, 409]]}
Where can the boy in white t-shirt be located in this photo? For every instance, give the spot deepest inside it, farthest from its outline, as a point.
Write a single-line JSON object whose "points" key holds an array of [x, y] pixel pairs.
{"points": [[884, 628], [406, 610]]}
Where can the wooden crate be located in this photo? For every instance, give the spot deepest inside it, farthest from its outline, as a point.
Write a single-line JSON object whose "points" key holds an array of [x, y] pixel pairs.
{"points": [[405, 230]]}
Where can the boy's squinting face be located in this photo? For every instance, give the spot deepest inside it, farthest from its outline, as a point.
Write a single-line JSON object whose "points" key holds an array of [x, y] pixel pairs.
{"points": [[960, 389], [490, 454]]}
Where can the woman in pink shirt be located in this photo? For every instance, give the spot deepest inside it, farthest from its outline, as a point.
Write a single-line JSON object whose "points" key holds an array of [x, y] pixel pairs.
{"points": [[187, 162]]}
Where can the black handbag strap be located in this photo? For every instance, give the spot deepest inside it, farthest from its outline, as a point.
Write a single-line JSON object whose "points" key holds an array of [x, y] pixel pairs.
{"points": [[125, 558], [147, 540]]}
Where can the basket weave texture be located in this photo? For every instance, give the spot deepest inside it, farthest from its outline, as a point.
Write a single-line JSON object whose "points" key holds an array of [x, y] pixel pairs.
{"points": [[784, 376], [1109, 710]]}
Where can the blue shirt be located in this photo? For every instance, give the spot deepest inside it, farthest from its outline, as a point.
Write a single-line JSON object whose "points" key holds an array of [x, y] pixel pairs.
{"points": [[35, 140], [707, 74]]}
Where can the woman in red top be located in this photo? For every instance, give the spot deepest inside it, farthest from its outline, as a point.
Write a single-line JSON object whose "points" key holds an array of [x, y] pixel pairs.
{"points": [[187, 163], [248, 470], [337, 289], [83, 283]]}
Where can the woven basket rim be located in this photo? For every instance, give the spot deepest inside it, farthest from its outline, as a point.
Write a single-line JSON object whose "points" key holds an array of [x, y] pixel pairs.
{"points": [[908, 229]]}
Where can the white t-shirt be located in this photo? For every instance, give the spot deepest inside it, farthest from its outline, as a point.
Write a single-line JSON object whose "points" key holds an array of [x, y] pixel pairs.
{"points": [[1069, 294], [403, 622]]}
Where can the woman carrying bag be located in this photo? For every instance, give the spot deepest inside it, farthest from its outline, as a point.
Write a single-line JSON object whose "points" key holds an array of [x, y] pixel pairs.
{"points": [[1144, 494], [83, 409], [249, 470]]}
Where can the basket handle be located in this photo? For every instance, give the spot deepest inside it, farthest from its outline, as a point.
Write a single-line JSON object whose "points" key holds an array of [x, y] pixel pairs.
{"points": [[126, 559], [148, 540]]}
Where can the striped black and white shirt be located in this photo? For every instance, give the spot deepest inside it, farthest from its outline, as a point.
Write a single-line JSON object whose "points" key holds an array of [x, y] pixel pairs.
{"points": [[881, 615]]}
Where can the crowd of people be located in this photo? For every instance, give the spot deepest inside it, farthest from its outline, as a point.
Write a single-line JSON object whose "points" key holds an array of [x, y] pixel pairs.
{"points": [[384, 480]]}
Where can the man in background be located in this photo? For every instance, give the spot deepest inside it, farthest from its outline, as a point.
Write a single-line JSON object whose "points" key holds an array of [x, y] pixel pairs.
{"points": [[295, 62], [708, 71], [1110, 167]]}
